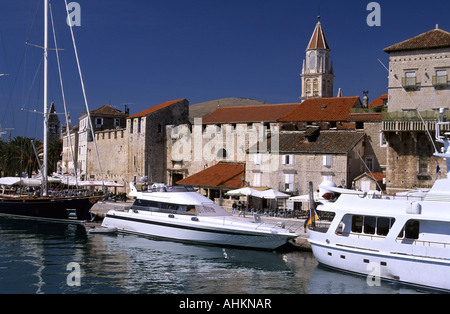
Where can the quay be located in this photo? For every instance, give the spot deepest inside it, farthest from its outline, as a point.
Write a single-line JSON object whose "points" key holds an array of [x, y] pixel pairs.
{"points": [[297, 225]]}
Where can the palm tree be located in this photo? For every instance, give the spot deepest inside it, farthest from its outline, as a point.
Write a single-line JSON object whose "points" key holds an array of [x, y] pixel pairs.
{"points": [[17, 157]]}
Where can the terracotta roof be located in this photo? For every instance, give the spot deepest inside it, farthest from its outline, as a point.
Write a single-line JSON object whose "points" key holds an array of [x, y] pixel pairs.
{"points": [[241, 114], [156, 108], [436, 38], [323, 109], [318, 40], [377, 176], [223, 175], [107, 111], [379, 101], [323, 142]]}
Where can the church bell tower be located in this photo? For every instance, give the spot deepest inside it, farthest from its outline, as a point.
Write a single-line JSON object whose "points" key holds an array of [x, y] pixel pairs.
{"points": [[317, 73]]}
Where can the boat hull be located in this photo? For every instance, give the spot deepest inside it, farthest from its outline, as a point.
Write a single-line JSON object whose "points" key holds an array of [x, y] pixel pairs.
{"points": [[184, 229], [73, 208], [412, 270]]}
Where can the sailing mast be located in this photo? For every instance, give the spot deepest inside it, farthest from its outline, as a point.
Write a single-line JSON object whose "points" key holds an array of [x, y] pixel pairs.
{"points": [[44, 166]]}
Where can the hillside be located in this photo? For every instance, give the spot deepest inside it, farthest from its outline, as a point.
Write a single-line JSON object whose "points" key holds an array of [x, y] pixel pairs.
{"points": [[202, 109]]}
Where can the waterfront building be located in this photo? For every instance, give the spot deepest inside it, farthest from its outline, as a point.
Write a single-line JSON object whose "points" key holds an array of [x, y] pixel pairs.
{"points": [[131, 148], [418, 81], [102, 119]]}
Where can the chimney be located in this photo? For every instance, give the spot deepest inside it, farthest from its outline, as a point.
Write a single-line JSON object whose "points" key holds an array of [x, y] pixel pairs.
{"points": [[366, 99]]}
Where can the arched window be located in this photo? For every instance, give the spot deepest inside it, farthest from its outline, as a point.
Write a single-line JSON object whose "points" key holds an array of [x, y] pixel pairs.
{"points": [[308, 86]]}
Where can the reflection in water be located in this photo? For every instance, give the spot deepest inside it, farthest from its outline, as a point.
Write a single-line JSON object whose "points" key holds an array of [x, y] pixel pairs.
{"points": [[34, 256]]}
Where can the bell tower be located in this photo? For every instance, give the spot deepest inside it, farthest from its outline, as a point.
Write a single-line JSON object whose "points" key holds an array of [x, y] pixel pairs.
{"points": [[317, 73]]}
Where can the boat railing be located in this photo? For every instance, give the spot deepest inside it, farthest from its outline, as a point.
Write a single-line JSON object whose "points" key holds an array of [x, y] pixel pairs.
{"points": [[445, 245], [360, 235]]}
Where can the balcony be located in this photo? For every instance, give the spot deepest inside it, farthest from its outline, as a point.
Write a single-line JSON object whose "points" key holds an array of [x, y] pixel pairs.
{"points": [[406, 121], [409, 82], [440, 81]]}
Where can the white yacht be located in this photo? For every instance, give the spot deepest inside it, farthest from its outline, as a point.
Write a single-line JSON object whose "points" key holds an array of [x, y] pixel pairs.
{"points": [[401, 238], [179, 213]]}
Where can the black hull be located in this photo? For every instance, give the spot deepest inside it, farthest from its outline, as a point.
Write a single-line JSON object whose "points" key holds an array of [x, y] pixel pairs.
{"points": [[73, 208]]}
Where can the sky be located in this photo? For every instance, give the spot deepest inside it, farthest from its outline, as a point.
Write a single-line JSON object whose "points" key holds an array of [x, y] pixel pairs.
{"points": [[146, 52]]}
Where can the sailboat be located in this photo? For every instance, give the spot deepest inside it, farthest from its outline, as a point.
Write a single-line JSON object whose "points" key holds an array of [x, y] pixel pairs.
{"points": [[71, 208]]}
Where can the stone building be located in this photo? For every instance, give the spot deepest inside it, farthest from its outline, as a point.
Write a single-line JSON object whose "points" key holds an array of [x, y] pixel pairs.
{"points": [[104, 118], [311, 155], [418, 81], [223, 135], [131, 148], [147, 154]]}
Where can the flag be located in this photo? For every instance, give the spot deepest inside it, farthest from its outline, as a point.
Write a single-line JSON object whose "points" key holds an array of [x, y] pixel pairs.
{"points": [[308, 221]]}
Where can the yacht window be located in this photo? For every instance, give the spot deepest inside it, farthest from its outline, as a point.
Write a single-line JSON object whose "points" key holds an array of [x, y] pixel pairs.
{"points": [[412, 229], [369, 224], [383, 225], [357, 222]]}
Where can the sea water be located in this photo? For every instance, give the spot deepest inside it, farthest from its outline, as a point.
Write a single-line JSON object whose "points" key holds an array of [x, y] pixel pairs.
{"points": [[53, 258]]}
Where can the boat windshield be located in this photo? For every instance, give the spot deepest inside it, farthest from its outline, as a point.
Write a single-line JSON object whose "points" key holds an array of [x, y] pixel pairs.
{"points": [[205, 209], [210, 209]]}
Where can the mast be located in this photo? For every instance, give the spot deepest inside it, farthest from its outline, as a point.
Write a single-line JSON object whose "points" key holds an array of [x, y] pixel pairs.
{"points": [[44, 166]]}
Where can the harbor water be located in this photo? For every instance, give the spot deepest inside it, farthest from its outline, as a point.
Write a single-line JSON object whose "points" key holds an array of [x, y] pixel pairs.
{"points": [[52, 258]]}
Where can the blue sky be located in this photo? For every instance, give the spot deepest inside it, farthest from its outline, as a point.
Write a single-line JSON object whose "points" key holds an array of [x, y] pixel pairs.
{"points": [[145, 52]]}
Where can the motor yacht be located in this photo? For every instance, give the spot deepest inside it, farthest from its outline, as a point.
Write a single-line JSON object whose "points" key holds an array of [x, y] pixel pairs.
{"points": [[402, 238], [179, 213]]}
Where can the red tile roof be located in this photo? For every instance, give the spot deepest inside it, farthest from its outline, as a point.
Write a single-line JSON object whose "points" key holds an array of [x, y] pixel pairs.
{"points": [[323, 142], [156, 108], [106, 110], [377, 176], [379, 101], [221, 175], [436, 38], [323, 109], [242, 114], [318, 40]]}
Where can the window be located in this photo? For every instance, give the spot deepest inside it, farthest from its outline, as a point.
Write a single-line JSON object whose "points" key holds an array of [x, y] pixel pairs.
{"points": [[441, 78], [289, 182], [411, 230], [327, 160], [383, 225], [257, 179], [383, 142], [409, 80], [257, 159], [369, 163], [308, 86], [98, 122], [316, 87], [423, 165], [372, 225], [357, 223], [369, 224], [287, 160], [116, 122]]}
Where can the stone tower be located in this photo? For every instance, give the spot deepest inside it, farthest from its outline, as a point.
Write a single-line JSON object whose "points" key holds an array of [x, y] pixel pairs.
{"points": [[53, 124], [317, 73]]}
